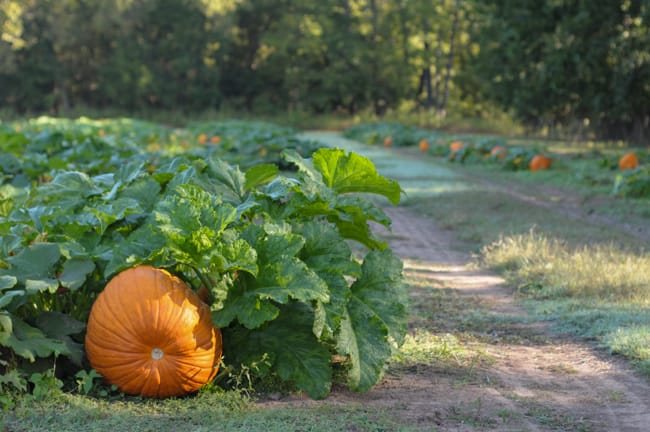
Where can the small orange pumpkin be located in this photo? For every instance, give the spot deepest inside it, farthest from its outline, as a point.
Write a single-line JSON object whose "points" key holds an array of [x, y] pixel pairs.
{"points": [[499, 152], [424, 146], [540, 162], [216, 139], [203, 138], [456, 146], [151, 335], [388, 141], [628, 161]]}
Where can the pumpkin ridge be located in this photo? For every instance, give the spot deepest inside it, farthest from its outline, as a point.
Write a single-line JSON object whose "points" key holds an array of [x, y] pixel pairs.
{"points": [[117, 306], [130, 373], [172, 293], [116, 321], [111, 334]]}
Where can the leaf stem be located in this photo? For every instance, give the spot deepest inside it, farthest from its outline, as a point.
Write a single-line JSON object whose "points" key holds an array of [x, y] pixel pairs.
{"points": [[204, 279]]}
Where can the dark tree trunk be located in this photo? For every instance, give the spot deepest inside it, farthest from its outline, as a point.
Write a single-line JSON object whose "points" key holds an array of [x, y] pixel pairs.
{"points": [[442, 108]]}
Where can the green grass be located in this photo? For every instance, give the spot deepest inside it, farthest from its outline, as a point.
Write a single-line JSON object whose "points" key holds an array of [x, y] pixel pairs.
{"points": [[547, 268], [599, 292], [220, 411]]}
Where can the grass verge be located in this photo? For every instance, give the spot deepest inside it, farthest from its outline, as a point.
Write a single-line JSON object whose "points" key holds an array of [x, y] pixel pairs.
{"points": [[209, 411]]}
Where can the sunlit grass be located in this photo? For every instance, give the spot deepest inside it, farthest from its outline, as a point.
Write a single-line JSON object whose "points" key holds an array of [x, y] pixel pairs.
{"points": [[446, 351], [547, 267], [598, 292]]}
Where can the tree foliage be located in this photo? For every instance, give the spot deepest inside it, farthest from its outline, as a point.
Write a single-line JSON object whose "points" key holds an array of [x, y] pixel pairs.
{"points": [[550, 63], [569, 63], [313, 56]]}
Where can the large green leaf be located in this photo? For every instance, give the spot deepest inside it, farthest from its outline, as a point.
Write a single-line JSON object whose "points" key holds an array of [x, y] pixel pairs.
{"points": [[34, 262], [352, 172], [27, 341], [69, 189], [376, 319], [325, 251], [7, 282], [295, 353], [60, 327], [75, 271], [381, 291], [260, 174], [364, 339], [246, 307]]}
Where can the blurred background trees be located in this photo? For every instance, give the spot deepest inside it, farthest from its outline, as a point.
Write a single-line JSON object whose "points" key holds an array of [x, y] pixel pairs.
{"points": [[569, 65]]}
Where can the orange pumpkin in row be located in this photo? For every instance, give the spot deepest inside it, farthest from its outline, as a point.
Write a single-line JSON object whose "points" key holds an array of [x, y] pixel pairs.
{"points": [[628, 161], [456, 146], [540, 162], [150, 334], [499, 152]]}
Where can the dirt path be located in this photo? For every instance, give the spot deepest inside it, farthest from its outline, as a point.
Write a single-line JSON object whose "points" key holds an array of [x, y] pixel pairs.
{"points": [[558, 384], [533, 380]]}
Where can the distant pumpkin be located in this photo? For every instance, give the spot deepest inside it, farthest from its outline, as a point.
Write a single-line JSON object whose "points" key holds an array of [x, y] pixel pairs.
{"points": [[540, 162], [215, 139], [151, 335], [203, 139], [424, 146], [499, 152], [388, 141], [456, 146], [628, 161]]}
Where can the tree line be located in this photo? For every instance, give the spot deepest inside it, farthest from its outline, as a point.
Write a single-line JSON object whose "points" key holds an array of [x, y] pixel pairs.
{"points": [[554, 63]]}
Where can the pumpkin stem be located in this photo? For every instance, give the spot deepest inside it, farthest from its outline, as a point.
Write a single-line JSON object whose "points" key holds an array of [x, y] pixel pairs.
{"points": [[206, 281]]}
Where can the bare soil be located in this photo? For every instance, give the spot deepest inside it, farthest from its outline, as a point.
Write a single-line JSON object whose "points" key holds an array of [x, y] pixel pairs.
{"points": [[536, 381]]}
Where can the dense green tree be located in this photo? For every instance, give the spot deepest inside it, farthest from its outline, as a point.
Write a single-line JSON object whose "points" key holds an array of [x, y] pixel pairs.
{"points": [[569, 63], [558, 63]]}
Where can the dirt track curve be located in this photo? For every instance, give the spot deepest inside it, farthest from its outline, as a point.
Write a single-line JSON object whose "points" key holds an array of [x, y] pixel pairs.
{"points": [[535, 381]]}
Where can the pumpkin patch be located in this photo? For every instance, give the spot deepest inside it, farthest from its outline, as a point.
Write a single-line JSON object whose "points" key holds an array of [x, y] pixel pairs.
{"points": [[259, 250]]}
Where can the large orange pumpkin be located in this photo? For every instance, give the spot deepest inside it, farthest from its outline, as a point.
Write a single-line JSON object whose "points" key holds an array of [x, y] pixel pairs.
{"points": [[628, 161], [151, 335], [540, 162]]}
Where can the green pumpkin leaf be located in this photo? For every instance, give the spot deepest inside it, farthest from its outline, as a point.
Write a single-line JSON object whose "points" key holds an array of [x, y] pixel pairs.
{"points": [[7, 281], [7, 296], [353, 173], [34, 262], [296, 355], [325, 251], [27, 341], [381, 290], [247, 308], [260, 174], [57, 324], [75, 271], [376, 319], [41, 285]]}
